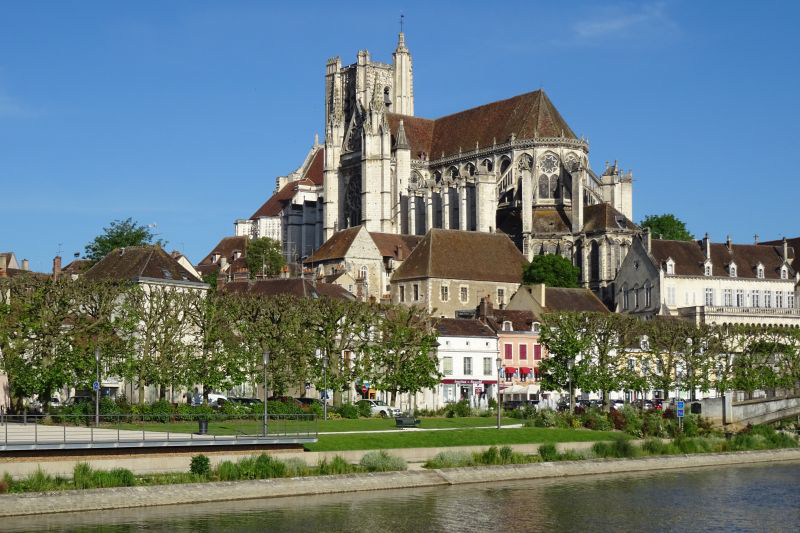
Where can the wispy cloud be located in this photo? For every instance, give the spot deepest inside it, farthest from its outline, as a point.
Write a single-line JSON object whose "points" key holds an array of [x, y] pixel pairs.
{"points": [[626, 21]]}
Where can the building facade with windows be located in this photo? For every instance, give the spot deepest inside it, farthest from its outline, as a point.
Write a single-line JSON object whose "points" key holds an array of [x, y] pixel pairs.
{"points": [[709, 282], [467, 355], [450, 271]]}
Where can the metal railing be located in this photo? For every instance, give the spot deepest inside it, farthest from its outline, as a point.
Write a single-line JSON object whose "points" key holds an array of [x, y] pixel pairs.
{"points": [[20, 432]]}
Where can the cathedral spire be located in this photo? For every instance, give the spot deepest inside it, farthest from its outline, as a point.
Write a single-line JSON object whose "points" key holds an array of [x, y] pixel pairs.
{"points": [[401, 141], [403, 90]]}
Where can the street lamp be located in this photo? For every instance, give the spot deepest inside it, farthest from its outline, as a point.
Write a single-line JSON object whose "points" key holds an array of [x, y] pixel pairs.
{"points": [[324, 361], [499, 363], [266, 362], [97, 391], [570, 365]]}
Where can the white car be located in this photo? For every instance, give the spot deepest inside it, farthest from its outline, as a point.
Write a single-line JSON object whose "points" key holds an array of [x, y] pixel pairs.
{"points": [[380, 408]]}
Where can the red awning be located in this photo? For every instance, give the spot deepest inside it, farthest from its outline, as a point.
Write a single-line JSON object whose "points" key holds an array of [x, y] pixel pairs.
{"points": [[510, 370], [524, 370]]}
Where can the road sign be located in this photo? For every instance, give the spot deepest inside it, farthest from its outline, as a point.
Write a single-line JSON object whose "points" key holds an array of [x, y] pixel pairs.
{"points": [[95, 386], [681, 405]]}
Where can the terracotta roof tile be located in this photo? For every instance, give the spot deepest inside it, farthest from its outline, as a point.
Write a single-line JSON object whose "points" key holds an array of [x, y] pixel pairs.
{"points": [[561, 299], [225, 248], [602, 217], [395, 246], [134, 262], [468, 255], [301, 288], [463, 327], [336, 247]]}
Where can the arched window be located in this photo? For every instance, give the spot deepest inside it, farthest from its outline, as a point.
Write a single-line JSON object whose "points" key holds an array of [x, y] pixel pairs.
{"points": [[452, 172], [544, 187], [555, 189], [437, 177], [504, 164], [760, 271], [594, 260], [469, 169], [363, 273], [487, 163], [732, 270]]}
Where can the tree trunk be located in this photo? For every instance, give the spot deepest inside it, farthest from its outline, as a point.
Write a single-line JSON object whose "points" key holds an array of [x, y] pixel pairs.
{"points": [[141, 393]]}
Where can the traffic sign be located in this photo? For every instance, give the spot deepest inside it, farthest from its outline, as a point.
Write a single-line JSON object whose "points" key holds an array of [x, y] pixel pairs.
{"points": [[681, 405], [96, 386]]}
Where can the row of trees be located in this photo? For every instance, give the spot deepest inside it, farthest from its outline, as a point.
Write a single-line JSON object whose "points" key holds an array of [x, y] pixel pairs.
{"points": [[605, 352], [175, 338]]}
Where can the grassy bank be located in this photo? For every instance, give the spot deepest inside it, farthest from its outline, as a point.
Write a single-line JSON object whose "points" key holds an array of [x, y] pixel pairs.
{"points": [[253, 426], [459, 437]]}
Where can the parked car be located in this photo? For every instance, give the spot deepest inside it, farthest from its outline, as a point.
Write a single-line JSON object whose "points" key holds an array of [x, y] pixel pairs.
{"points": [[246, 401], [216, 400], [380, 408], [617, 404]]}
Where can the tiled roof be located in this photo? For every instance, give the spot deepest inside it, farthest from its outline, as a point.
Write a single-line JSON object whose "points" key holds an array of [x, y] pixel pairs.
{"points": [[550, 220], [301, 288], [520, 320], [77, 266], [394, 245], [336, 247], [561, 299], [602, 217], [689, 258], [527, 116], [226, 248], [467, 255], [463, 327], [315, 173], [313, 176], [136, 262]]}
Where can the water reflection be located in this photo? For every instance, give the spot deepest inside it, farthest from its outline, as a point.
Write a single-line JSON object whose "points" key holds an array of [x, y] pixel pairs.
{"points": [[749, 498]]}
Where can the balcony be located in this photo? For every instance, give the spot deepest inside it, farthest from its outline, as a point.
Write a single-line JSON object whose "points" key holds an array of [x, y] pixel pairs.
{"points": [[741, 315]]}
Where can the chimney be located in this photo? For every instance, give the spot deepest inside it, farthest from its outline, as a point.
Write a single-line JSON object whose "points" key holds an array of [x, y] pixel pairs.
{"points": [[785, 250], [707, 246], [538, 292], [648, 240], [56, 267], [484, 307], [728, 243], [223, 262], [26, 265], [220, 280]]}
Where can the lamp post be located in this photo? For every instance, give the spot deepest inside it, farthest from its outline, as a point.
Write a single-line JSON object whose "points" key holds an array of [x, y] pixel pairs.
{"points": [[97, 392], [266, 362], [324, 361], [499, 363], [570, 365]]}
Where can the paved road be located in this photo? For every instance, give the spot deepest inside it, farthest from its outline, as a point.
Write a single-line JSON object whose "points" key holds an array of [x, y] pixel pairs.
{"points": [[17, 433]]}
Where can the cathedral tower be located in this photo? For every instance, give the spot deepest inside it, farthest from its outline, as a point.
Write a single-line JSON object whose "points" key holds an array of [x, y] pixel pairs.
{"points": [[403, 98]]}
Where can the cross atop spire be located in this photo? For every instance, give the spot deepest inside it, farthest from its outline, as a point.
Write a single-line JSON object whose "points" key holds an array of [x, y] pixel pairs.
{"points": [[401, 22]]}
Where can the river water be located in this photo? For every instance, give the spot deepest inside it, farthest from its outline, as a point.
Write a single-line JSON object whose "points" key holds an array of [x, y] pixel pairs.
{"points": [[742, 498]]}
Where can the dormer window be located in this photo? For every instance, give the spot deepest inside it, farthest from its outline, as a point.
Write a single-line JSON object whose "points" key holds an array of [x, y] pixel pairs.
{"points": [[784, 272], [732, 270], [644, 343], [507, 326], [708, 269], [214, 258], [536, 328], [671, 267], [760, 271]]}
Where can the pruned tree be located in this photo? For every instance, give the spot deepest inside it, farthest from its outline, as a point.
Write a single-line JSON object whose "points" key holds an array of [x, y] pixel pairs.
{"points": [[610, 336], [665, 340], [564, 337]]}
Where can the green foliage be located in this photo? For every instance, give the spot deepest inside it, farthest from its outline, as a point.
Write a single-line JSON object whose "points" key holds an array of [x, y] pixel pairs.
{"points": [[337, 465], [348, 410], [667, 226], [85, 477], [381, 461], [119, 234], [364, 409], [450, 459], [596, 420], [200, 466], [552, 270], [460, 408], [490, 456], [563, 334], [548, 452], [264, 257], [619, 448]]}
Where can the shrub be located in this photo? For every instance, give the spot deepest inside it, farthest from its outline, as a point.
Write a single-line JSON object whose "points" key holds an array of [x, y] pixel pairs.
{"points": [[489, 456], [200, 466], [655, 447], [266, 467], [160, 411], [548, 452], [596, 420], [450, 459], [617, 419], [337, 465], [348, 410], [459, 409], [228, 471], [85, 477], [506, 455], [653, 425], [296, 467], [380, 461], [544, 418], [364, 409], [39, 481], [5, 483], [632, 421], [618, 448], [278, 408]]}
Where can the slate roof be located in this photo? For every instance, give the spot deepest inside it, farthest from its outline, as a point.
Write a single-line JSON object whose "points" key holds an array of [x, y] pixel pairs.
{"points": [[603, 217], [336, 247], [313, 176], [467, 255], [689, 258], [463, 327], [527, 116], [135, 262], [301, 288], [550, 220]]}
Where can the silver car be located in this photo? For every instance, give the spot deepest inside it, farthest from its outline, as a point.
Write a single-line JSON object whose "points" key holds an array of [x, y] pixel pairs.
{"points": [[380, 408]]}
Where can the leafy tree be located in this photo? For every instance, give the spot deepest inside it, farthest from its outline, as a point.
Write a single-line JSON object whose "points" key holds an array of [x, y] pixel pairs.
{"points": [[667, 340], [403, 356], [552, 270], [563, 334], [667, 226], [698, 357], [120, 233], [610, 336], [264, 257], [754, 368]]}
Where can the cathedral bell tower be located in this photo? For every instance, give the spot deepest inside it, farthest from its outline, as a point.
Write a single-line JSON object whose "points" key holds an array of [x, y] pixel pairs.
{"points": [[403, 98]]}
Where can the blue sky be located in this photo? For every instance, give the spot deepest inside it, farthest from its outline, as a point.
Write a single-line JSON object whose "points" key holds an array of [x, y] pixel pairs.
{"points": [[183, 113]]}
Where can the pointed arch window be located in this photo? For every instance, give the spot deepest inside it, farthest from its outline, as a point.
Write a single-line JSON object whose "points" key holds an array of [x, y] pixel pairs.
{"points": [[760, 271], [544, 186], [732, 270], [784, 272]]}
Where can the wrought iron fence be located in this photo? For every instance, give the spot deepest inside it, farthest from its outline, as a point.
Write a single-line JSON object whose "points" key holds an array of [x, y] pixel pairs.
{"points": [[126, 430]]}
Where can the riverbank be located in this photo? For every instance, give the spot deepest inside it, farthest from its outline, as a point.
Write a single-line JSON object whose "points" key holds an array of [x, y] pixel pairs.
{"points": [[144, 496]]}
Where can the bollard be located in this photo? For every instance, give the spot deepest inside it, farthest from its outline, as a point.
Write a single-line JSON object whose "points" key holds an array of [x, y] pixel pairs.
{"points": [[202, 428]]}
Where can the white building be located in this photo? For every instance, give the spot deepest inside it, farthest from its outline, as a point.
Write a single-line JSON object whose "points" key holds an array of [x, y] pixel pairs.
{"points": [[467, 355], [709, 282]]}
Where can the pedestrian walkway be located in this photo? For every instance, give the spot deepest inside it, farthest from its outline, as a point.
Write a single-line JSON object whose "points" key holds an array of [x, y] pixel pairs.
{"points": [[508, 426]]}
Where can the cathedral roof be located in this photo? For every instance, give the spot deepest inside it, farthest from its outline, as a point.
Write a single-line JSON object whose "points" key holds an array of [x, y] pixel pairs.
{"points": [[603, 216], [134, 262], [526, 116], [550, 220], [336, 247], [464, 255], [388, 244], [689, 258]]}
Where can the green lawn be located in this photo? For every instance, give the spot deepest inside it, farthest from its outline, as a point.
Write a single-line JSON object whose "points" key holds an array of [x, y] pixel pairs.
{"points": [[461, 437], [251, 427]]}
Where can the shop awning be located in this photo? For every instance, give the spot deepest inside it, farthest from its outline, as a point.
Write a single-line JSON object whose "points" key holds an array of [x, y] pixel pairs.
{"points": [[524, 371], [510, 370]]}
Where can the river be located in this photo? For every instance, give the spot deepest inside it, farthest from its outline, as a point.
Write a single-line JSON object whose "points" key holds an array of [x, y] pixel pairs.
{"points": [[740, 498]]}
